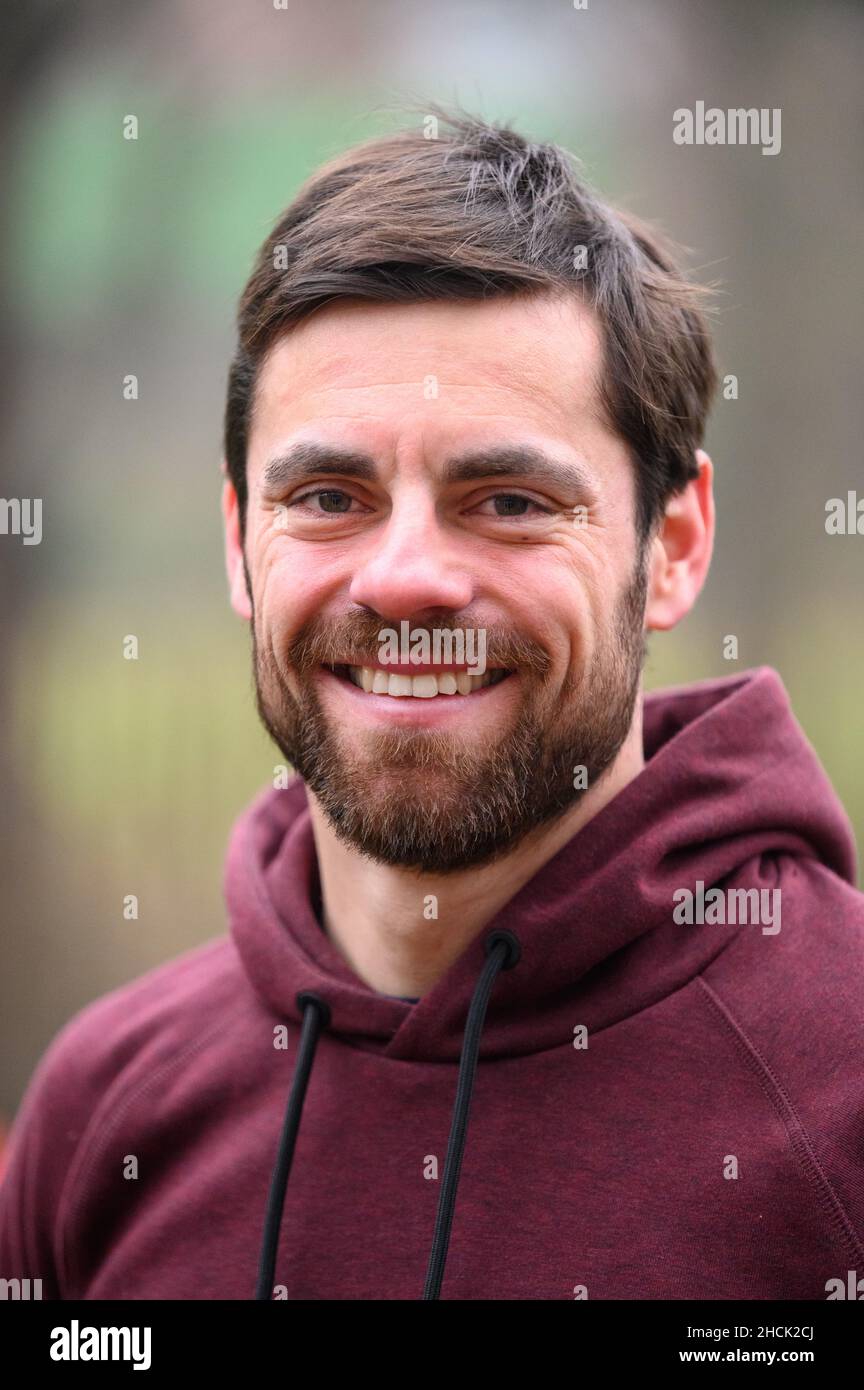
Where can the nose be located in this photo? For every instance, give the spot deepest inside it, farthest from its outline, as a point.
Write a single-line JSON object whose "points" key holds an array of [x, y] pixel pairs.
{"points": [[412, 565]]}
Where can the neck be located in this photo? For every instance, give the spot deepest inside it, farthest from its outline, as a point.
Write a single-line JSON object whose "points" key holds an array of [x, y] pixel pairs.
{"points": [[400, 929]]}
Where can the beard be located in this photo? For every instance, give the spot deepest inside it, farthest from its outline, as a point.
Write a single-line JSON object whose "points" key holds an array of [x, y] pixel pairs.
{"points": [[434, 801]]}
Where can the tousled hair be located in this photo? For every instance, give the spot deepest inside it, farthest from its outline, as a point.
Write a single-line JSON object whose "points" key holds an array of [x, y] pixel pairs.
{"points": [[478, 210]]}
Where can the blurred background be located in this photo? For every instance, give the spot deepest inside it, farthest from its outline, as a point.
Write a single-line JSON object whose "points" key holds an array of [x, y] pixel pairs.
{"points": [[126, 257]]}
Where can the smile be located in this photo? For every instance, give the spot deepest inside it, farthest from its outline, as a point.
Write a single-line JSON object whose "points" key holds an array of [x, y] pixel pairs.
{"points": [[375, 681]]}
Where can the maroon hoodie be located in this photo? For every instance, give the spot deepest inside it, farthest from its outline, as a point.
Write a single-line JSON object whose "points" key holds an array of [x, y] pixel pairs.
{"points": [[662, 1109]]}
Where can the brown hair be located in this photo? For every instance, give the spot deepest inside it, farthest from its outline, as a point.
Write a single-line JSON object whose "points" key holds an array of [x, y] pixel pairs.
{"points": [[476, 211]]}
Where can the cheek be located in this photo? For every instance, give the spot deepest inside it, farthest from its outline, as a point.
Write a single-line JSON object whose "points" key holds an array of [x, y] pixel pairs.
{"points": [[291, 590], [599, 566], [553, 594]]}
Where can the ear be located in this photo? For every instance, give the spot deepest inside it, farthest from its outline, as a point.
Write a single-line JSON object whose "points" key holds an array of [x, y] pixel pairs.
{"points": [[234, 552], [681, 550]]}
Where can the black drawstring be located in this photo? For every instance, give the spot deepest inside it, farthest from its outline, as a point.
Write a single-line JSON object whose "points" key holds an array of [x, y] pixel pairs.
{"points": [[316, 1016], [502, 953]]}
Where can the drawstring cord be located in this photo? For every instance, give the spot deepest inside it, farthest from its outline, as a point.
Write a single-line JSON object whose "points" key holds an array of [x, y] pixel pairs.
{"points": [[502, 953], [316, 1017]]}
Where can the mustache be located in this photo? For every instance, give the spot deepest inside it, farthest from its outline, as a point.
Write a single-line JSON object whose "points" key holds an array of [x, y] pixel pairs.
{"points": [[353, 639]]}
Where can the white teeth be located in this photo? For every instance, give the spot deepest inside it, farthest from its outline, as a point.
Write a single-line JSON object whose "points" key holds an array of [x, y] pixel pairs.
{"points": [[426, 687]]}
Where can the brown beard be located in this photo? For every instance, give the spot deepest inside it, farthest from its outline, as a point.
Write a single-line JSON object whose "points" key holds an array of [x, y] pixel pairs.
{"points": [[427, 800]]}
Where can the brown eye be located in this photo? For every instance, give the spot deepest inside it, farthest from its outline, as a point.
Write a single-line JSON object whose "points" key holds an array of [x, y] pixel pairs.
{"points": [[333, 501], [511, 504]]}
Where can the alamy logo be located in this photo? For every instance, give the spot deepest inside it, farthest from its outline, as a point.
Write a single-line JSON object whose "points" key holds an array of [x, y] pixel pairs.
{"points": [[738, 126], [737, 906], [20, 1290], [852, 1289], [76, 1343], [845, 518], [21, 516], [440, 647]]}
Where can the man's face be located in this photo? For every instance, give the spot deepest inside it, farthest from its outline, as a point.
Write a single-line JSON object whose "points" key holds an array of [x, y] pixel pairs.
{"points": [[447, 466]]}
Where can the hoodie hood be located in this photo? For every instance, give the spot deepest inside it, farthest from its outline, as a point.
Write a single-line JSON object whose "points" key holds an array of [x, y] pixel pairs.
{"points": [[729, 784]]}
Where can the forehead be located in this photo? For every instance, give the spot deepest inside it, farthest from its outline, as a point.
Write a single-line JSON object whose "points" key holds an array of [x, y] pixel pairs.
{"points": [[537, 359]]}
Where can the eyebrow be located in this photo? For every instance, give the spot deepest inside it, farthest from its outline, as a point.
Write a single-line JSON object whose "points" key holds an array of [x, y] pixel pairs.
{"points": [[499, 461], [305, 458], [516, 461]]}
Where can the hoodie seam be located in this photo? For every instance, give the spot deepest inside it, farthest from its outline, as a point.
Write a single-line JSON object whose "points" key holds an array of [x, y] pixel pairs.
{"points": [[800, 1142], [92, 1145]]}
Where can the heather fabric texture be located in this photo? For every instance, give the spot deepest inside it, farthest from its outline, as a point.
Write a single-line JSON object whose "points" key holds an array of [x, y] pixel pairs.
{"points": [[602, 1168]]}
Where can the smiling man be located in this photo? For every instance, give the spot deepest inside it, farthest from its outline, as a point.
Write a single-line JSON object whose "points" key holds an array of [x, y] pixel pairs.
{"points": [[460, 1041], [502, 504]]}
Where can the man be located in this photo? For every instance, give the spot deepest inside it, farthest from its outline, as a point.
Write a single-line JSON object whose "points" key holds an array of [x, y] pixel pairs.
{"points": [[533, 989]]}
